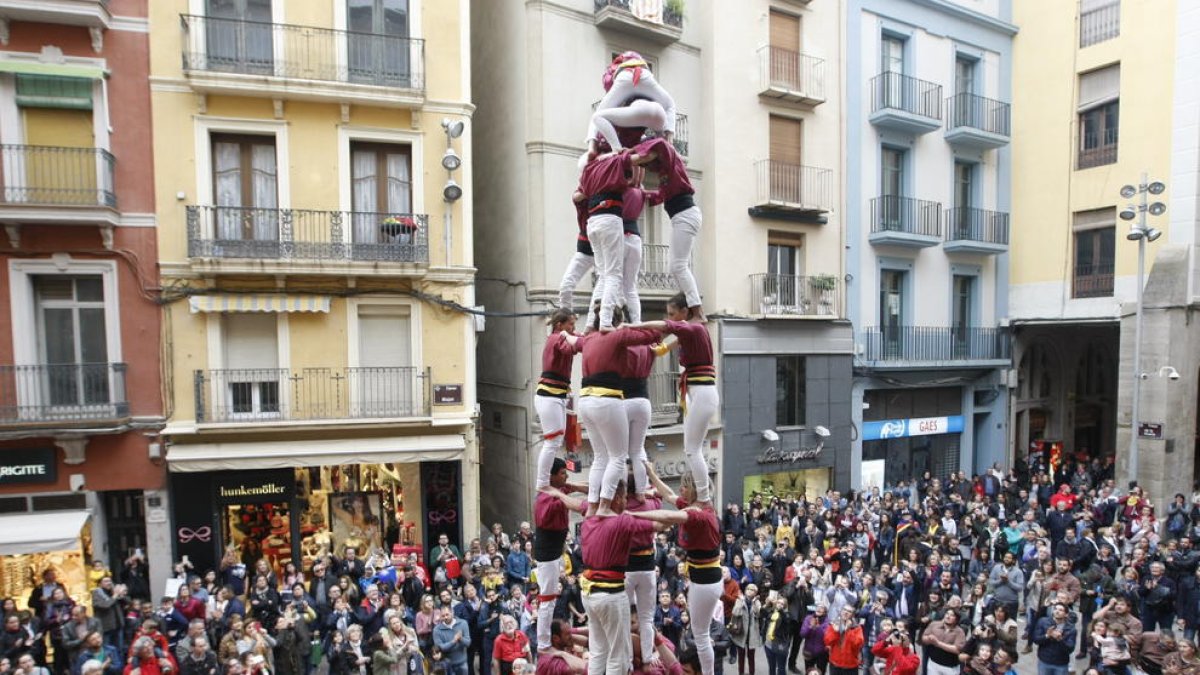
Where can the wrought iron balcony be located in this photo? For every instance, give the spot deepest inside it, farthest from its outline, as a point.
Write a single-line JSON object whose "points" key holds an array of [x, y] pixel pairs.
{"points": [[45, 394], [904, 221], [664, 396], [932, 345], [52, 176], [289, 61], [655, 20], [905, 104], [282, 395], [296, 234], [976, 122], [791, 190], [795, 296], [1093, 281], [972, 230], [1099, 23], [791, 76]]}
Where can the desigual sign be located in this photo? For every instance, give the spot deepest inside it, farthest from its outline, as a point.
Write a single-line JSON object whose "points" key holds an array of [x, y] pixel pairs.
{"points": [[774, 455], [33, 465]]}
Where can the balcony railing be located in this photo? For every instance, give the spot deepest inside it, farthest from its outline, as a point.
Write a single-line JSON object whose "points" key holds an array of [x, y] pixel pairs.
{"points": [[302, 52], [892, 213], [1101, 23], [933, 343], [655, 273], [978, 112], [901, 92], [800, 187], [73, 392], [669, 16], [296, 234], [1093, 281], [280, 394], [789, 295], [785, 70], [1093, 153], [43, 175], [967, 223], [664, 397]]}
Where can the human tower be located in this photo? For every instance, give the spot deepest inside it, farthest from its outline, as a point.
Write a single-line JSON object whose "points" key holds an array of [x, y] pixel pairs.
{"points": [[623, 504]]}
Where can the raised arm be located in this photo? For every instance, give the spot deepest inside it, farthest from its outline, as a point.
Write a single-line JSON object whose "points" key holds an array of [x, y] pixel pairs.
{"points": [[663, 489]]}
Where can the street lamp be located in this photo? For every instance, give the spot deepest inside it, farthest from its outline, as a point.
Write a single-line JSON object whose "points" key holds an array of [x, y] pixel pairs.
{"points": [[451, 162], [1141, 233]]}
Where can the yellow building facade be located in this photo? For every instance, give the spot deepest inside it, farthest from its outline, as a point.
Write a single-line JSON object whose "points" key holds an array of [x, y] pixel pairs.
{"points": [[312, 165], [1091, 113]]}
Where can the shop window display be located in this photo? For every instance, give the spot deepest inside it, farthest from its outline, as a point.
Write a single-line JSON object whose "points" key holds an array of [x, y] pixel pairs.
{"points": [[805, 483]]}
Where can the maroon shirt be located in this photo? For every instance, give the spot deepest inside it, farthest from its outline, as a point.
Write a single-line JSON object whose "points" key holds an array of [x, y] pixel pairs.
{"points": [[550, 513], [668, 165], [643, 540], [606, 540], [634, 201], [695, 344], [700, 533], [604, 353], [557, 355], [552, 664], [639, 361], [605, 175]]}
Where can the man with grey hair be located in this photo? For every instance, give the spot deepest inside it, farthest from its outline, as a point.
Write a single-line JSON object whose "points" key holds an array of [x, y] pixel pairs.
{"points": [[184, 647], [199, 659]]}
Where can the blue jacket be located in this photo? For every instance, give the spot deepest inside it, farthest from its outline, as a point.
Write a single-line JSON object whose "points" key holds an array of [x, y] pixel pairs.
{"points": [[1051, 651], [517, 568], [443, 638]]}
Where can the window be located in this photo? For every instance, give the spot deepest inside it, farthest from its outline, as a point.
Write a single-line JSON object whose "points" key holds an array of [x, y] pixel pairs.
{"points": [[252, 376], [783, 290], [964, 184], [381, 181], [1099, 20], [239, 35], [891, 308], [245, 186], [55, 114], [785, 50], [789, 391], [891, 189], [72, 341], [891, 54], [964, 75], [379, 49], [1099, 107], [1094, 251], [891, 67], [384, 383], [783, 259], [963, 107], [785, 148], [962, 318]]}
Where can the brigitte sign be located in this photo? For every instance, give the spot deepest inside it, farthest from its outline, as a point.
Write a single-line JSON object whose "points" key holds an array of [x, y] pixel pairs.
{"points": [[34, 465], [916, 426]]}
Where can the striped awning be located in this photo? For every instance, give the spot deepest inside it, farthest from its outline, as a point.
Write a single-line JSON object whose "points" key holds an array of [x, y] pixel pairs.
{"points": [[259, 303], [57, 69]]}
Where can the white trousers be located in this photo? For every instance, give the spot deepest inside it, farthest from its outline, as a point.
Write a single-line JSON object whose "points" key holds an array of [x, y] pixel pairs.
{"points": [[548, 576], [639, 590], [702, 404], [624, 89], [579, 266], [608, 430], [553, 415], [685, 227], [608, 633], [631, 265], [702, 601], [640, 113], [606, 234], [637, 411]]}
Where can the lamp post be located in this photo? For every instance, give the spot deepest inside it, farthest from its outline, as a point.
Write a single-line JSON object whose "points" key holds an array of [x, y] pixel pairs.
{"points": [[1141, 233], [452, 192]]}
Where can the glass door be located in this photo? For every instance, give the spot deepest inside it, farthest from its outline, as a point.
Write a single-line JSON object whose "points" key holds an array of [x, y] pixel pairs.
{"points": [[245, 187], [960, 321], [891, 216], [891, 311], [381, 198], [891, 67], [73, 345], [378, 48], [239, 36]]}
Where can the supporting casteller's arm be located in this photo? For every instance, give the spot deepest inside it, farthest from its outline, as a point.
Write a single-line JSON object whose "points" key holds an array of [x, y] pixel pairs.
{"points": [[663, 489], [572, 503], [669, 344], [649, 325], [662, 516]]}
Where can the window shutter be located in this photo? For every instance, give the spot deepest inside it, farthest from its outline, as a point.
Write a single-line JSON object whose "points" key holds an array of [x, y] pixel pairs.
{"points": [[1099, 87], [785, 140], [251, 341], [54, 91], [785, 31], [384, 336]]}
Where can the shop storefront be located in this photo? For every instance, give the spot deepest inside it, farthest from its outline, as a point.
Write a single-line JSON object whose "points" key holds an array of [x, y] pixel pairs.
{"points": [[794, 467], [900, 445], [31, 543], [298, 513]]}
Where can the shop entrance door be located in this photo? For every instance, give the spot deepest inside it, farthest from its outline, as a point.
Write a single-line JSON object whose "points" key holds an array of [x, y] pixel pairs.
{"points": [[259, 531]]}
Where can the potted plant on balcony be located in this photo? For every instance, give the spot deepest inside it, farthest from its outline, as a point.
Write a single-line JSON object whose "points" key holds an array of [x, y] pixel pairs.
{"points": [[673, 12], [397, 225], [824, 284]]}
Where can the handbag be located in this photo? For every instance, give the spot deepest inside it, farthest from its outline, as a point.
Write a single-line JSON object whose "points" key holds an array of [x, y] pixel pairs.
{"points": [[737, 626]]}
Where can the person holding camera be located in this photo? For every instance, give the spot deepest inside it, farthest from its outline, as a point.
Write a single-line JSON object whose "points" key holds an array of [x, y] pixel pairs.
{"points": [[896, 649], [844, 640]]}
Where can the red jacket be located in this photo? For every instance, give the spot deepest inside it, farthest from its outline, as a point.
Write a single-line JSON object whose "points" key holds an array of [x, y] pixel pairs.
{"points": [[900, 660], [845, 649]]}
